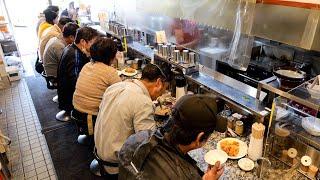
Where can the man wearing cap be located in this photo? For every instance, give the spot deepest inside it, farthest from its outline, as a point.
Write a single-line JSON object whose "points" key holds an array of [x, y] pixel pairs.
{"points": [[157, 156]]}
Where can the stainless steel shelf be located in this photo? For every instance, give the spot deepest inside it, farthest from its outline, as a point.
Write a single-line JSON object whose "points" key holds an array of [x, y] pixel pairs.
{"points": [[230, 94]]}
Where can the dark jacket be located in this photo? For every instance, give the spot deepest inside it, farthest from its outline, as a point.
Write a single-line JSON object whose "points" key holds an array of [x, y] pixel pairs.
{"points": [[71, 63], [155, 158]]}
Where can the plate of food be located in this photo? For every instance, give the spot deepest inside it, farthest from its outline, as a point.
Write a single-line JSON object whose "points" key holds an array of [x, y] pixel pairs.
{"points": [[235, 148], [212, 156], [129, 71], [162, 113]]}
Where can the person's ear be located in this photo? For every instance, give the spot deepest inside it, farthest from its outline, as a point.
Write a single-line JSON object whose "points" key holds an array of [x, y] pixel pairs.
{"points": [[159, 82], [199, 138], [83, 42]]}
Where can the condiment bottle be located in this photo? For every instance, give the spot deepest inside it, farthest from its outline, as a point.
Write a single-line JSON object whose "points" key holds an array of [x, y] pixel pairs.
{"points": [[284, 155], [239, 128], [231, 122], [256, 141]]}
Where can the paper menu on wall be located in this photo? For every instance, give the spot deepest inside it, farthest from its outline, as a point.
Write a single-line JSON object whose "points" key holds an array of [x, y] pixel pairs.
{"points": [[161, 37]]}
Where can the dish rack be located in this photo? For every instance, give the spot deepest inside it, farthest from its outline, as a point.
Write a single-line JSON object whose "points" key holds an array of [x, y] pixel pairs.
{"points": [[286, 133]]}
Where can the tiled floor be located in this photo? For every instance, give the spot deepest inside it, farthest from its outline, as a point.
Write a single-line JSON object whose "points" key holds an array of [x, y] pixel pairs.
{"points": [[29, 155]]}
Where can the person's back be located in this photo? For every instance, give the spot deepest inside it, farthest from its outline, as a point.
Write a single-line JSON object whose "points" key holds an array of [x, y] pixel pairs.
{"points": [[53, 31], [50, 20], [73, 58], [52, 55], [96, 76], [55, 46], [155, 158], [148, 155], [125, 106]]}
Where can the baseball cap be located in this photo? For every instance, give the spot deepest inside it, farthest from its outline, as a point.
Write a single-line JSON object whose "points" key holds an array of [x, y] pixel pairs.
{"points": [[198, 112]]}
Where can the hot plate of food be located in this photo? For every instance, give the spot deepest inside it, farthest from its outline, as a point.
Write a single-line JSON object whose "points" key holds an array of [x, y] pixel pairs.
{"points": [[129, 71], [235, 148]]}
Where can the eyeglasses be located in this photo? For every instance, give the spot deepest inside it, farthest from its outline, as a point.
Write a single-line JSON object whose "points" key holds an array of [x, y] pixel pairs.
{"points": [[162, 73]]}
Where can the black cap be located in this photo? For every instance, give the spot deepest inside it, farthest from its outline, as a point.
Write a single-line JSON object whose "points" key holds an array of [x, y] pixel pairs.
{"points": [[198, 112]]}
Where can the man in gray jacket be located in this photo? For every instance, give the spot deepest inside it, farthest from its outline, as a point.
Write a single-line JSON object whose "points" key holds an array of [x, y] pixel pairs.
{"points": [[159, 156]]}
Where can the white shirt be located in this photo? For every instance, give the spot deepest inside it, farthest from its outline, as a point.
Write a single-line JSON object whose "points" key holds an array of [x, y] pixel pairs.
{"points": [[126, 108]]}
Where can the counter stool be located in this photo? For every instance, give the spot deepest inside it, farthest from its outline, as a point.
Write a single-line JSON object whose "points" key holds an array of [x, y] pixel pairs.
{"points": [[84, 128], [97, 166], [51, 84], [63, 116]]}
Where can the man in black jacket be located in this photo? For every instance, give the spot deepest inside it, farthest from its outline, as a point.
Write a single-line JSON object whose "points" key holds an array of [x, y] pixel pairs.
{"points": [[152, 155], [73, 58]]}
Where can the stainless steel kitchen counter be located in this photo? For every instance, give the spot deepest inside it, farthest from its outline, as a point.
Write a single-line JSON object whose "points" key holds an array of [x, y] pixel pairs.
{"points": [[229, 90]]}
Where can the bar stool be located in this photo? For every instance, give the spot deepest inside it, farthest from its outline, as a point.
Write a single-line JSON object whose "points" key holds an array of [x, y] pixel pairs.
{"points": [[63, 116], [97, 165], [52, 84], [82, 124]]}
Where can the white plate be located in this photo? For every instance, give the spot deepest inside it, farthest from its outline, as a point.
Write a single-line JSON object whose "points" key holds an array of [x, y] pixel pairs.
{"points": [[213, 156], [246, 164], [243, 148], [129, 74]]}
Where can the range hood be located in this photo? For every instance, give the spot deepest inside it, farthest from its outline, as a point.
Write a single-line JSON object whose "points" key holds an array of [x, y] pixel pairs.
{"points": [[293, 22]]}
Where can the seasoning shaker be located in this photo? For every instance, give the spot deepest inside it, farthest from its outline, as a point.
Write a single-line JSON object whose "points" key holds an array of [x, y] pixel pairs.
{"points": [[192, 57], [239, 128], [159, 48], [230, 123], [176, 56], [172, 49], [164, 51], [185, 56]]}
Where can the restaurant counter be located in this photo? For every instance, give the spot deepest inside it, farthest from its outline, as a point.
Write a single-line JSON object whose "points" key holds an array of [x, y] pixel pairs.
{"points": [[231, 168]]}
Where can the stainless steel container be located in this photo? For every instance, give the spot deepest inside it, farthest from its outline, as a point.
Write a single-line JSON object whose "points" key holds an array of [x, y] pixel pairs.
{"points": [[165, 51], [111, 26], [123, 31], [192, 57], [176, 56], [185, 56], [168, 48], [172, 49], [116, 29], [159, 48]]}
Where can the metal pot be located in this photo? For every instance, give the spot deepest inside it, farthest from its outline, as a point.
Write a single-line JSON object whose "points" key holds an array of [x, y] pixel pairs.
{"points": [[289, 77]]}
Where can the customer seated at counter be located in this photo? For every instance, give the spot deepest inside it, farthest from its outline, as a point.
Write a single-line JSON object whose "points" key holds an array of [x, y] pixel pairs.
{"points": [[95, 77], [51, 17], [73, 58], [55, 46], [42, 18], [53, 31], [127, 108], [154, 155]]}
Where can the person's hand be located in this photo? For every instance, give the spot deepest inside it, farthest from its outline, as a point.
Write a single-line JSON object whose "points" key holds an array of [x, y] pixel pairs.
{"points": [[213, 173]]}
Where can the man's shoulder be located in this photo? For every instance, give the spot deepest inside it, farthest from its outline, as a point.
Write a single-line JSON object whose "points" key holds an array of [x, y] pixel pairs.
{"points": [[55, 42], [68, 51]]}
